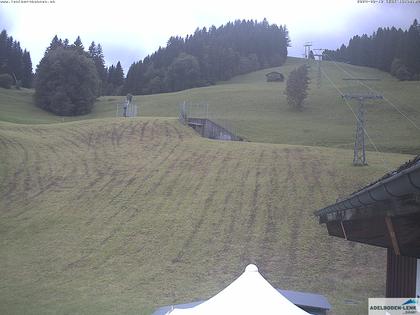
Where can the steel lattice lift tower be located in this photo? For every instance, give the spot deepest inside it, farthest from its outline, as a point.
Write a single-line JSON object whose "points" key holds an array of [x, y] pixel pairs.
{"points": [[319, 55], [307, 46], [359, 158]]}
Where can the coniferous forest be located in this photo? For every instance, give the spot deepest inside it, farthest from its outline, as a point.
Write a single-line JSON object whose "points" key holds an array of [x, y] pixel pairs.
{"points": [[15, 62], [208, 56], [217, 54], [388, 49], [200, 59]]}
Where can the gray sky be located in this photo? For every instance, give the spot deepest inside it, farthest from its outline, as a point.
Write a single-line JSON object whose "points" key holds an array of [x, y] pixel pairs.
{"points": [[130, 30]]}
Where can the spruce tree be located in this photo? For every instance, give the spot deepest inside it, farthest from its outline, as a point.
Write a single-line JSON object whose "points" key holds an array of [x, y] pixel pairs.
{"points": [[3, 51], [27, 70], [78, 44], [55, 43], [115, 80], [14, 61], [413, 49], [118, 79], [96, 53]]}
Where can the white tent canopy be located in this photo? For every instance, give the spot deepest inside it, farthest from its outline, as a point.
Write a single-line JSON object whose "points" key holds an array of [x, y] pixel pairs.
{"points": [[250, 294]]}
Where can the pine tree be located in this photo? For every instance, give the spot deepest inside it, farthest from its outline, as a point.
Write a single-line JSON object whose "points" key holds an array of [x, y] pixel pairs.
{"points": [[118, 79], [3, 51], [78, 44], [115, 80], [96, 53], [14, 61], [27, 70], [92, 50], [55, 43], [413, 49]]}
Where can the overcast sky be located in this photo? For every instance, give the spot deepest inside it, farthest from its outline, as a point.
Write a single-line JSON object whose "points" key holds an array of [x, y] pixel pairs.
{"points": [[130, 30]]}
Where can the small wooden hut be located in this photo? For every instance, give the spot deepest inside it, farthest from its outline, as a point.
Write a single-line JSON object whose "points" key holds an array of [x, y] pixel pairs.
{"points": [[274, 76]]}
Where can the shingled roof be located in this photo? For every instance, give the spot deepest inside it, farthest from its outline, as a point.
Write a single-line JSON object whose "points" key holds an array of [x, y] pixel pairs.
{"points": [[402, 181], [385, 213], [406, 165]]}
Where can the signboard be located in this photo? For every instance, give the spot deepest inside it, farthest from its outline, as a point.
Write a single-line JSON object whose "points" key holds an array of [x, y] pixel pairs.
{"points": [[394, 306]]}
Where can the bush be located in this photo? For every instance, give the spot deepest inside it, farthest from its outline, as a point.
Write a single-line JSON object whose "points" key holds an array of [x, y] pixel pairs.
{"points": [[6, 80], [66, 82]]}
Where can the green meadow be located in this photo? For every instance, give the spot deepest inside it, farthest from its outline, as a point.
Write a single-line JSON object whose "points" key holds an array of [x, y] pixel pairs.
{"points": [[257, 110], [106, 215]]}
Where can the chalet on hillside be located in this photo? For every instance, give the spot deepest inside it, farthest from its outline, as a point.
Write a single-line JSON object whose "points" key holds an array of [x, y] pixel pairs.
{"points": [[385, 213], [274, 76]]}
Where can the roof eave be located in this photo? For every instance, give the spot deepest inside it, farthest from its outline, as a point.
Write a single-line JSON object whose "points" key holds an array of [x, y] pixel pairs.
{"points": [[394, 187]]}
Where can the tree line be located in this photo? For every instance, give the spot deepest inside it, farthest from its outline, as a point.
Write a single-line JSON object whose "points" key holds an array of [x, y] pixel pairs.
{"points": [[388, 49], [15, 63], [208, 56], [69, 77]]}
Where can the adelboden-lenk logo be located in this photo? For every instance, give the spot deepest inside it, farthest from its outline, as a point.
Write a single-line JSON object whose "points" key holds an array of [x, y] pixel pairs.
{"points": [[394, 306]]}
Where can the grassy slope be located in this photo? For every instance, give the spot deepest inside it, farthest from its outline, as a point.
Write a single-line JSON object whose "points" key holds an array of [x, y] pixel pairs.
{"points": [[120, 216], [18, 107], [259, 112]]}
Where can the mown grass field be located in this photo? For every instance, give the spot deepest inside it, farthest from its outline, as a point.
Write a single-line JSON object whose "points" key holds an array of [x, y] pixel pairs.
{"points": [[114, 216], [104, 215], [258, 110]]}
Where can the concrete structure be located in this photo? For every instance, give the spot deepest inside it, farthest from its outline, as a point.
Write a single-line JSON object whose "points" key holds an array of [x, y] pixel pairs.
{"points": [[209, 129]]}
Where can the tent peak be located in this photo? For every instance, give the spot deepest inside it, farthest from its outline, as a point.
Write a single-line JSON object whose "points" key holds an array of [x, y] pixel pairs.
{"points": [[251, 268]]}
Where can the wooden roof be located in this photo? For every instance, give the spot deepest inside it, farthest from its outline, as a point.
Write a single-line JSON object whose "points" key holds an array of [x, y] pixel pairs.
{"points": [[273, 73], [385, 213]]}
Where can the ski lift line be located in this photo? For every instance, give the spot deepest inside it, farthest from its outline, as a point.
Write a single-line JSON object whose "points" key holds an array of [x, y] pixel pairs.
{"points": [[348, 105], [374, 91], [357, 119]]}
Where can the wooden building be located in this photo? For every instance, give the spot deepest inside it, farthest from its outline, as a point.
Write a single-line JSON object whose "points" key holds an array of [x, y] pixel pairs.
{"points": [[274, 76], [385, 213]]}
